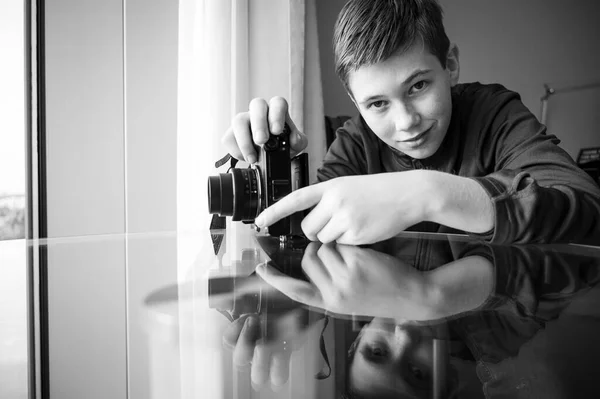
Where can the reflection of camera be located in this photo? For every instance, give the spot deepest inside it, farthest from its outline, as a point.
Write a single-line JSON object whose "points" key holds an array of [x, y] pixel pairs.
{"points": [[244, 193], [241, 291]]}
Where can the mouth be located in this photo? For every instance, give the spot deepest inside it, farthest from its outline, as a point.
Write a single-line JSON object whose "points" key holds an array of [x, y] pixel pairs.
{"points": [[418, 136]]}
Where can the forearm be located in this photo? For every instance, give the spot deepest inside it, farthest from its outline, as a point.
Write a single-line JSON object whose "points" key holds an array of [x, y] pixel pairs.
{"points": [[460, 286], [457, 202]]}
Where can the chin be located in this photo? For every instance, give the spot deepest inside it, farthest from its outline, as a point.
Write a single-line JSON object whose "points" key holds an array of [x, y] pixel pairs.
{"points": [[421, 153]]}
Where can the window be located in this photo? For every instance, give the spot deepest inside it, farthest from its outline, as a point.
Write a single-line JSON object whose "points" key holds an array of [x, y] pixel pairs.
{"points": [[13, 255]]}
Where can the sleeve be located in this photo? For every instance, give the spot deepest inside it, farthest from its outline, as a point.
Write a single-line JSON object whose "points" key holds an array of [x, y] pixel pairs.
{"points": [[538, 192], [347, 154], [534, 281]]}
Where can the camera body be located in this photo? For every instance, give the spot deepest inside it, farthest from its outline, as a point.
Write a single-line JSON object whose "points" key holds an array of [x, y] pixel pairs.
{"points": [[244, 193]]}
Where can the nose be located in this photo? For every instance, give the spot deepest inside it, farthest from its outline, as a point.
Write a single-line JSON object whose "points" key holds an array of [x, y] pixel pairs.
{"points": [[406, 117], [404, 337]]}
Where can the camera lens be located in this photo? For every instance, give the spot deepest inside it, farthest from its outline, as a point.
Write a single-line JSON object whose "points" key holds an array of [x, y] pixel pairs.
{"points": [[235, 194]]}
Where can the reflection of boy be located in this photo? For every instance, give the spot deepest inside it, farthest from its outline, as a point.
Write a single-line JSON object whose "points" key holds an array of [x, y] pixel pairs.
{"points": [[472, 156], [513, 345]]}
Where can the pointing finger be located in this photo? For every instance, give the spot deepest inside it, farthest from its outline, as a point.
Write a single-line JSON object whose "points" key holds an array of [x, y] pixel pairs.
{"points": [[297, 290], [296, 201]]}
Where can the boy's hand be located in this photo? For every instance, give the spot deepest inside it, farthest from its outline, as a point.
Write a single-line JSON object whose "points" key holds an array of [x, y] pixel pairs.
{"points": [[346, 279], [269, 361], [253, 127], [356, 210]]}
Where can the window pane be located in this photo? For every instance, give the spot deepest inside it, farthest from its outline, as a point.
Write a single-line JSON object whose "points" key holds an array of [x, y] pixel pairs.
{"points": [[13, 260]]}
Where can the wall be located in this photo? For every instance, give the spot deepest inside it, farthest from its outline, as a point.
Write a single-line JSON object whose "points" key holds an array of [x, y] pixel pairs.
{"points": [[111, 98], [521, 44]]}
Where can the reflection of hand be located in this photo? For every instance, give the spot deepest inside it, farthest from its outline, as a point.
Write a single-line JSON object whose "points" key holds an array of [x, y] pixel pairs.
{"points": [[355, 209], [351, 280], [248, 337], [360, 281]]}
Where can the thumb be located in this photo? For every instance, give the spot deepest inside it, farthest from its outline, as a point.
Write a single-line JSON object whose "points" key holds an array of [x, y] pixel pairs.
{"points": [[298, 140]]}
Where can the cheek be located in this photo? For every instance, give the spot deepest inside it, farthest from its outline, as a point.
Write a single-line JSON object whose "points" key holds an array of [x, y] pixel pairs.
{"points": [[381, 125], [437, 106]]}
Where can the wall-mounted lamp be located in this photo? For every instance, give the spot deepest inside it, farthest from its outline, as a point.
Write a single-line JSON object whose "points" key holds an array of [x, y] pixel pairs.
{"points": [[549, 91]]}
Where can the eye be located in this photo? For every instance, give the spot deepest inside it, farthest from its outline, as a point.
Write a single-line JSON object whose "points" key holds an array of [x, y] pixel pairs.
{"points": [[378, 352], [377, 104], [419, 86], [417, 373]]}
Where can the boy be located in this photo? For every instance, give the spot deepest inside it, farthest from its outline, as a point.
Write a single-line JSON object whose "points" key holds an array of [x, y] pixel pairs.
{"points": [[425, 153]]}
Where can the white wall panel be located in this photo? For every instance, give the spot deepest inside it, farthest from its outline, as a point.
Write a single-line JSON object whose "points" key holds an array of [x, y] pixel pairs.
{"points": [[84, 117], [85, 197]]}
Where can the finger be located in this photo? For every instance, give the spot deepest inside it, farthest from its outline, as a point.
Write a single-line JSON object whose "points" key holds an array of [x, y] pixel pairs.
{"points": [[278, 114], [317, 273], [231, 145], [296, 290], [333, 261], [243, 136], [261, 361], [244, 349], [232, 332], [258, 120], [315, 221], [330, 232], [295, 201], [289, 325], [280, 366], [298, 140]]}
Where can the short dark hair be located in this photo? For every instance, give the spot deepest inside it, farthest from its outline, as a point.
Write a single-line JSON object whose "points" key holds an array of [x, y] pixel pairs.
{"points": [[370, 31]]}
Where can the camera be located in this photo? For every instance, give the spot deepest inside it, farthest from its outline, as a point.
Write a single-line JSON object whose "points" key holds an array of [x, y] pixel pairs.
{"points": [[244, 193], [237, 290]]}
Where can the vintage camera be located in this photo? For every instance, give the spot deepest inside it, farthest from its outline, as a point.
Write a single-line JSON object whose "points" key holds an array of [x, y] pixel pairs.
{"points": [[244, 193], [239, 290]]}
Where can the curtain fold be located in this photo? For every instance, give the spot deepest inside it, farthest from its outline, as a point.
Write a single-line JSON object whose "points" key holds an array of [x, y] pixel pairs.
{"points": [[231, 51]]}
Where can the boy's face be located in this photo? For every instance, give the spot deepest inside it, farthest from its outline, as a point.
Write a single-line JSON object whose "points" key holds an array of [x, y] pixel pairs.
{"points": [[406, 99], [393, 359]]}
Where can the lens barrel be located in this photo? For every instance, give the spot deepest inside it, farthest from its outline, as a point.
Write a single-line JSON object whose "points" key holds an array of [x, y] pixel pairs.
{"points": [[235, 194]]}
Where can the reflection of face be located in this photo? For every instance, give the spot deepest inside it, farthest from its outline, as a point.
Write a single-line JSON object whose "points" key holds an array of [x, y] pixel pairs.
{"points": [[404, 96], [393, 359]]}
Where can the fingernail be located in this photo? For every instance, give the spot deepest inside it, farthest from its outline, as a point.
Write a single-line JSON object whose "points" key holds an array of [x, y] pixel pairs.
{"points": [[261, 268], [276, 128], [251, 159], [260, 221], [246, 324], [251, 322]]}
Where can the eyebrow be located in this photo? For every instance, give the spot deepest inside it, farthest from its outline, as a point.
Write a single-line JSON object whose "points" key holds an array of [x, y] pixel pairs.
{"points": [[412, 76]]}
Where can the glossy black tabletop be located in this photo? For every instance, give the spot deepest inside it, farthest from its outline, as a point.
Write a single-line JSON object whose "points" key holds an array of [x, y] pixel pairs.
{"points": [[419, 315]]}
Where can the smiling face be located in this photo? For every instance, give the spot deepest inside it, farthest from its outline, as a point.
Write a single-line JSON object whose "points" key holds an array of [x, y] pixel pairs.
{"points": [[406, 99], [393, 359]]}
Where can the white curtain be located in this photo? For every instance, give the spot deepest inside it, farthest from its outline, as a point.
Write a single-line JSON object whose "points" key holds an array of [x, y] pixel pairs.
{"points": [[231, 51]]}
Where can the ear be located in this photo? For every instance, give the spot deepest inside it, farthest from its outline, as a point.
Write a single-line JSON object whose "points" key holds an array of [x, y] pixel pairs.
{"points": [[452, 64]]}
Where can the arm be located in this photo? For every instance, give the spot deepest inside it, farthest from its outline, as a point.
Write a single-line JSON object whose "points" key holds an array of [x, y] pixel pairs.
{"points": [[457, 202], [537, 192]]}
